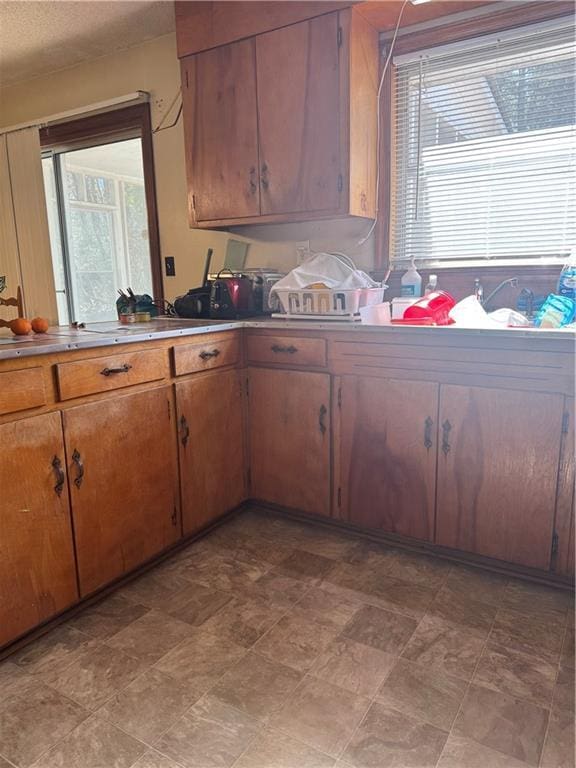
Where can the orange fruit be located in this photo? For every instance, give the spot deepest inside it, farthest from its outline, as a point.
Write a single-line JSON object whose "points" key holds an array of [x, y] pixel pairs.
{"points": [[40, 325], [20, 326]]}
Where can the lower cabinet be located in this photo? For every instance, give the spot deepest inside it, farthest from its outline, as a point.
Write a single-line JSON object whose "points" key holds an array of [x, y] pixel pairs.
{"points": [[563, 560], [385, 454], [37, 570], [211, 447], [123, 483], [497, 472], [289, 435]]}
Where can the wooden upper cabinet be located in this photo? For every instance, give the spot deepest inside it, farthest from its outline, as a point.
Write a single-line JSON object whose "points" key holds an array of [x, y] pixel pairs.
{"points": [[281, 127], [385, 454], [498, 459], [37, 570], [123, 483], [289, 434], [221, 132], [298, 117]]}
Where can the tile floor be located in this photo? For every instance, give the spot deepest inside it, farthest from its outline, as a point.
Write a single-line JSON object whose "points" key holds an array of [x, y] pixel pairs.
{"points": [[276, 644]]}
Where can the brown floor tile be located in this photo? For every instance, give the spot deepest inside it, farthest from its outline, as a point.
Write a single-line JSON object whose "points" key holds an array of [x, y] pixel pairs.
{"points": [[327, 609], [96, 674], [564, 690], [503, 723], [200, 661], [33, 721], [5, 763], [538, 638], [465, 753], [276, 588], [155, 588], [210, 735], [418, 569], [52, 652], [195, 604], [391, 739], [462, 612], [516, 673], [148, 706], [304, 565], [94, 744], [536, 599], [12, 678], [475, 584], [334, 546], [559, 746], [388, 632], [295, 642], [568, 654], [244, 620], [439, 645], [353, 666], [153, 759], [321, 715], [108, 616], [257, 686], [423, 693], [272, 749], [150, 637], [226, 574]]}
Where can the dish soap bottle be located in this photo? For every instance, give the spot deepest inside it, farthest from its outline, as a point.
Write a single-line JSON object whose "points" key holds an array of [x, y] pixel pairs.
{"points": [[567, 279], [411, 283], [431, 285]]}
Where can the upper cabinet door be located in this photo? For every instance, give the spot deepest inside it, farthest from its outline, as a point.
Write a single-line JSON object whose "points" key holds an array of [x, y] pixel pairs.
{"points": [[37, 572], [386, 454], [299, 117], [497, 472], [220, 124]]}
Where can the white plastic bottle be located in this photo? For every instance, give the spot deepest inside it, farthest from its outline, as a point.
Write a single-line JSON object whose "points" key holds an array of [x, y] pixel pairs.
{"points": [[411, 283], [432, 285]]}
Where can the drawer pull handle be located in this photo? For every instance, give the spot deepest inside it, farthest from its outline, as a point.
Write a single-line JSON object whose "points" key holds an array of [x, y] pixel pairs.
{"points": [[253, 184], [446, 427], [428, 424], [60, 476], [205, 355], [77, 459], [321, 419], [185, 430], [278, 348], [120, 369]]}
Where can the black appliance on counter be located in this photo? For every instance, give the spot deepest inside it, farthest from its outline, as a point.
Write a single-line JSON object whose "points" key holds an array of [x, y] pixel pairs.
{"points": [[196, 303]]}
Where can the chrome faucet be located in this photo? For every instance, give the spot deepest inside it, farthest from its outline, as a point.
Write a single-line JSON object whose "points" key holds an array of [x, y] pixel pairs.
{"points": [[512, 281], [478, 290]]}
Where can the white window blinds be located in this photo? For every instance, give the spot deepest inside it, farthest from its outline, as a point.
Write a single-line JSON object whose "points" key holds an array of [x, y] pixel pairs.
{"points": [[485, 150]]}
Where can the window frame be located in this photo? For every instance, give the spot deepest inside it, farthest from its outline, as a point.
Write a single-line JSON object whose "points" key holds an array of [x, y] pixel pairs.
{"points": [[507, 18], [107, 127]]}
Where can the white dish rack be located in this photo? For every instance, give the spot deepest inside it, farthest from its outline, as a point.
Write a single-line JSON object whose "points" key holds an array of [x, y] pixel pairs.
{"points": [[327, 303]]}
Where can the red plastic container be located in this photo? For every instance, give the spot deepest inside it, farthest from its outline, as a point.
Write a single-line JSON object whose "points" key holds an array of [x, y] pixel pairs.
{"points": [[435, 306]]}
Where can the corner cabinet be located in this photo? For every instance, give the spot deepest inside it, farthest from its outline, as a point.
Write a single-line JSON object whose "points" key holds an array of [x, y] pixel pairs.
{"points": [[282, 126]]}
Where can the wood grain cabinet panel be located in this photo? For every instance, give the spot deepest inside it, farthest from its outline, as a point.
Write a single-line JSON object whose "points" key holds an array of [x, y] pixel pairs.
{"points": [[123, 482], [563, 561], [386, 448], [37, 570], [498, 460], [298, 117], [20, 390], [211, 446], [206, 355], [286, 350], [289, 434], [220, 124]]}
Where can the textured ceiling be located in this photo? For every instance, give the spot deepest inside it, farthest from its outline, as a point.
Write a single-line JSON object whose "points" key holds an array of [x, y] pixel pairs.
{"points": [[37, 37]]}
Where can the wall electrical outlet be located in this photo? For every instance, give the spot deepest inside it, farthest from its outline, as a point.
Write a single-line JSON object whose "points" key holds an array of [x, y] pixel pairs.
{"points": [[302, 250], [169, 266]]}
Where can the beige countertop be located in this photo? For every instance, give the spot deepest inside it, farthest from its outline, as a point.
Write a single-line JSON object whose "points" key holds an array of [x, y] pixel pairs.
{"points": [[61, 339]]}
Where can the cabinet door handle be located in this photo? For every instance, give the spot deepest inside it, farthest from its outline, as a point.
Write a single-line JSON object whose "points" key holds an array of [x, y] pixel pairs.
{"points": [[77, 460], [278, 348], [185, 430], [205, 355], [446, 427], [60, 476], [321, 419], [120, 369], [264, 176], [428, 424], [253, 184]]}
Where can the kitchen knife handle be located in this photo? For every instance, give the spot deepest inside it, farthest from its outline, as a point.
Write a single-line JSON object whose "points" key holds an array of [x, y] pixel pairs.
{"points": [[77, 459], [120, 369], [205, 355], [60, 476]]}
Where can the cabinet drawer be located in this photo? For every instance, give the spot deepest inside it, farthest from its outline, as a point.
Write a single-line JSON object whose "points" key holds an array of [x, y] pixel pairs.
{"points": [[20, 390], [205, 355], [100, 374], [286, 350]]}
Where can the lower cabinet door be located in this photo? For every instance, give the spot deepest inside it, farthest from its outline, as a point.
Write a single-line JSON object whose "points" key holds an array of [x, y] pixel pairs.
{"points": [[290, 438], [385, 454], [123, 482], [211, 440], [37, 570], [497, 472]]}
